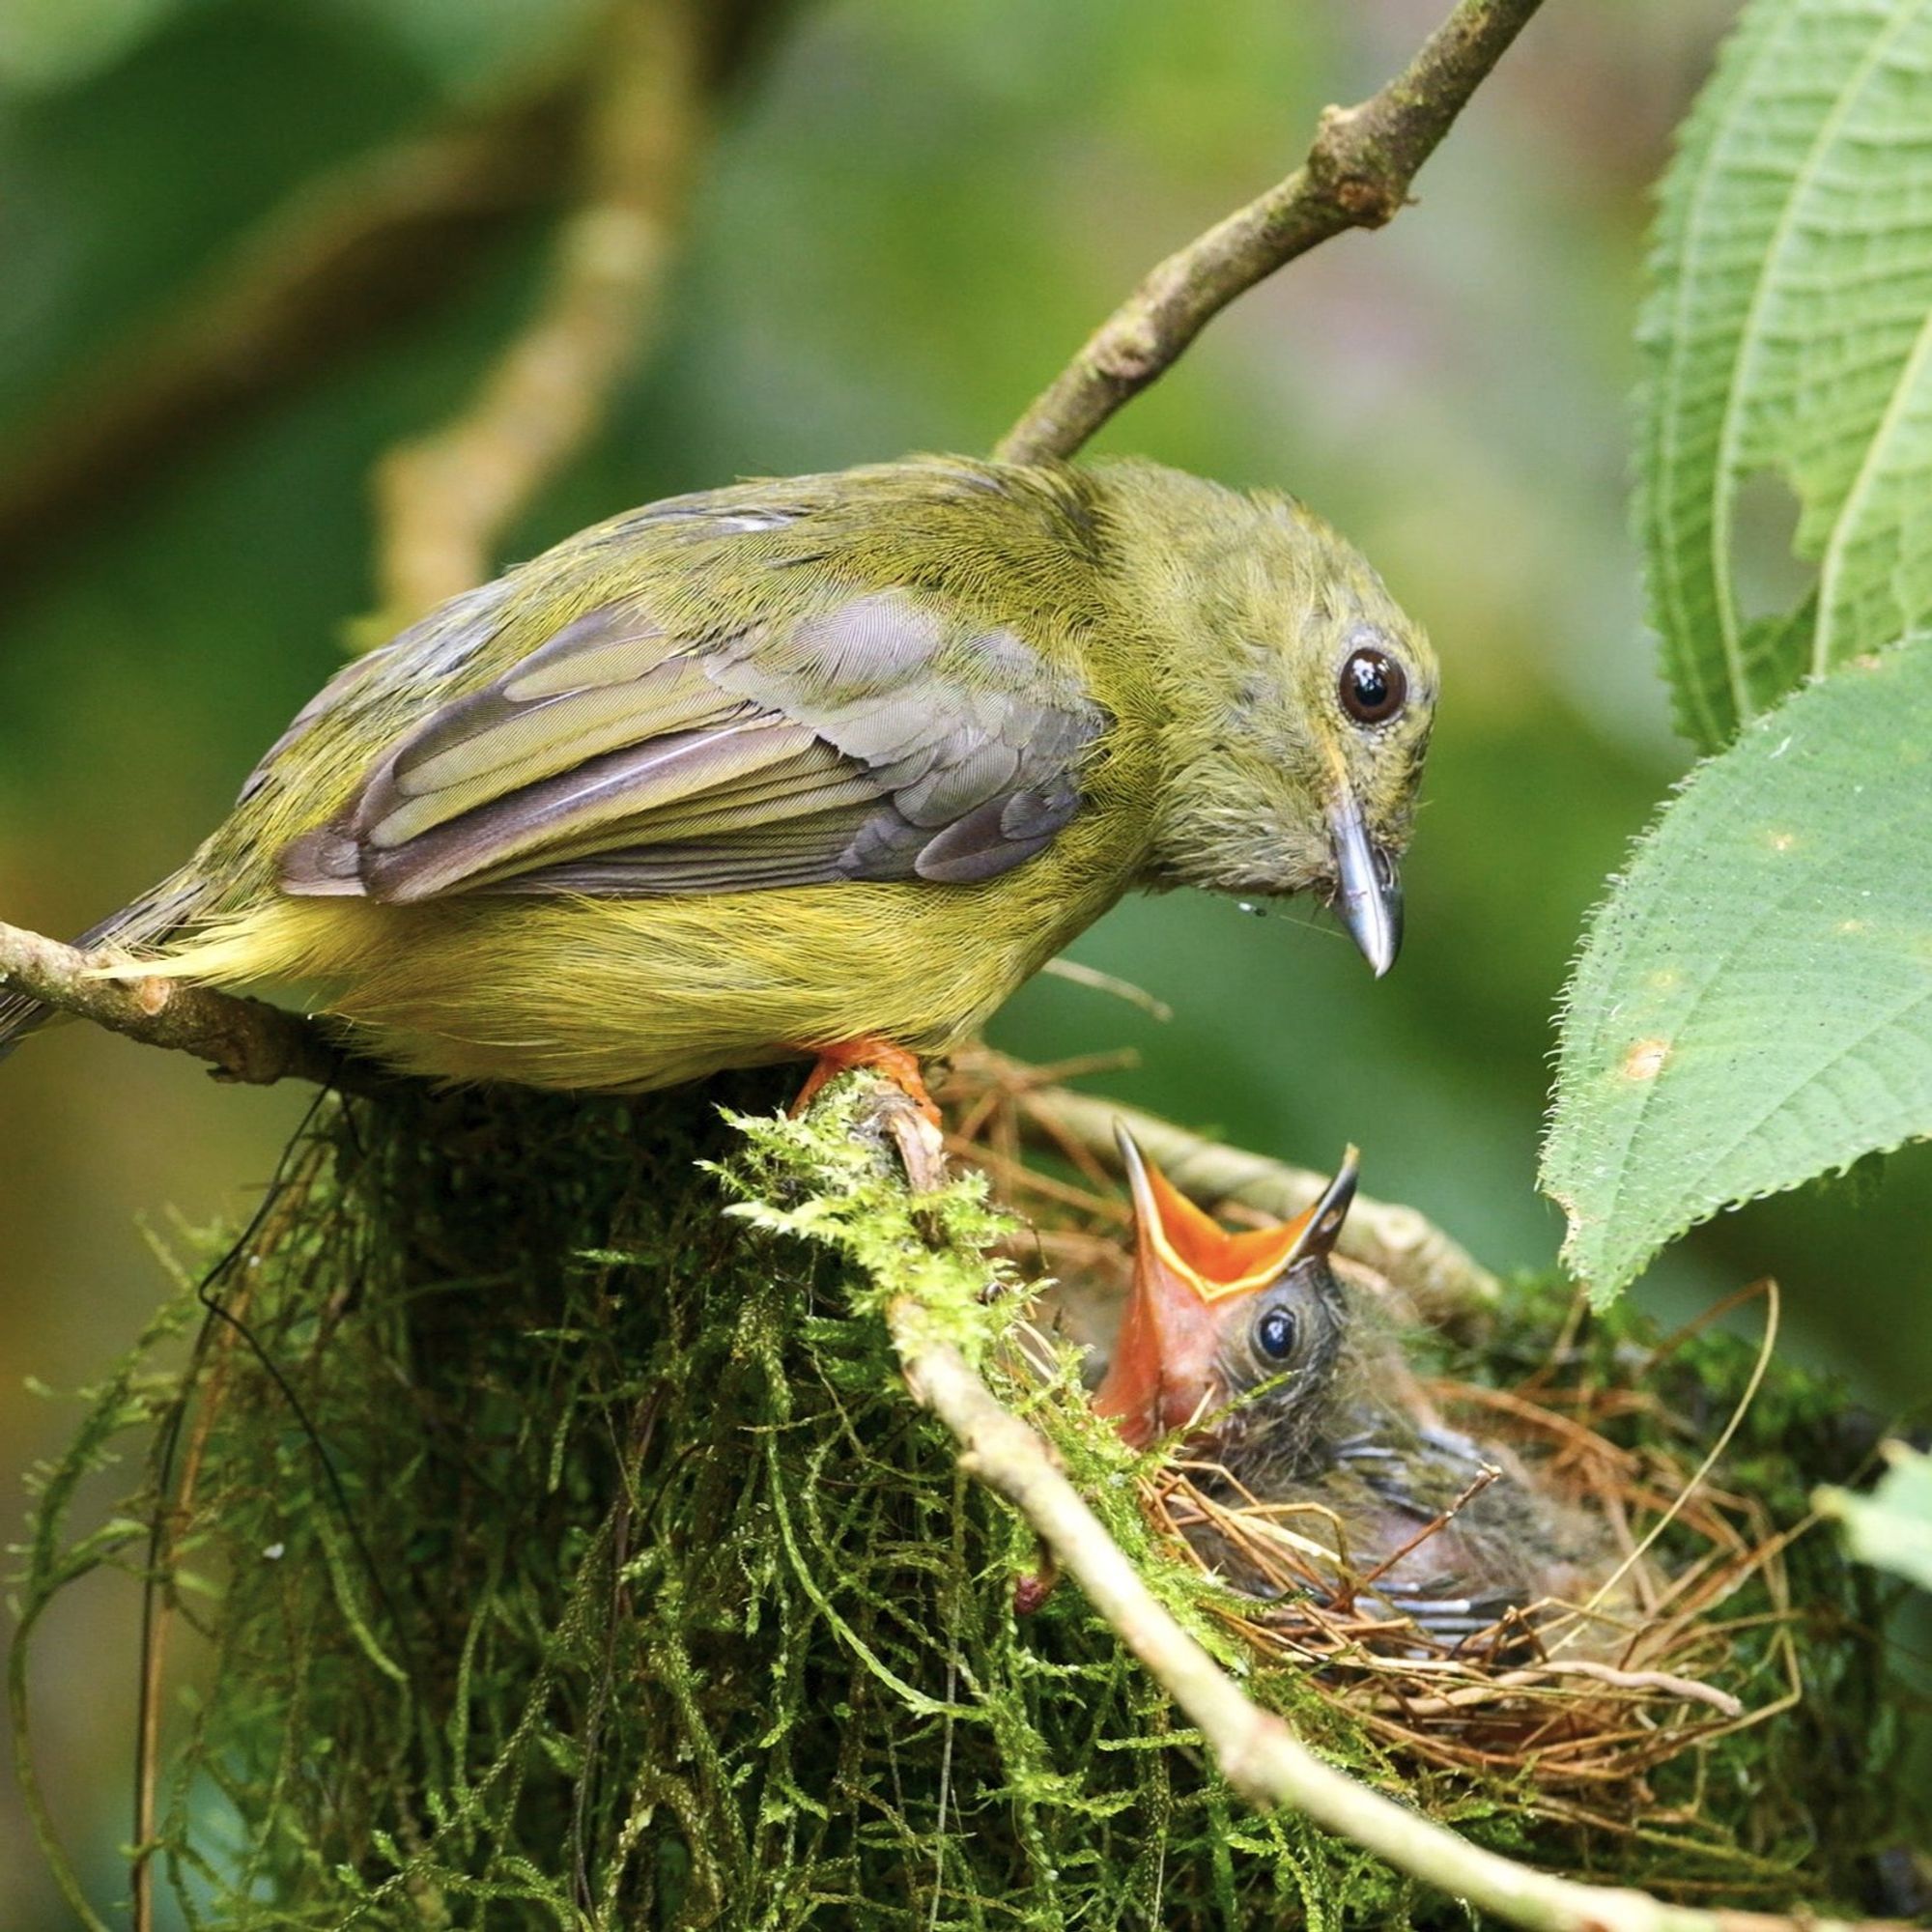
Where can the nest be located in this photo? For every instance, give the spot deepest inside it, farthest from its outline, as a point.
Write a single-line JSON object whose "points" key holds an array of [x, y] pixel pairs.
{"points": [[1578, 1701], [543, 1544], [1578, 1704]]}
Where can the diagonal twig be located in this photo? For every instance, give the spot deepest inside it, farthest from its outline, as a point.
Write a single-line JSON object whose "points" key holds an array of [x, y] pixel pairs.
{"points": [[445, 500], [1357, 175]]}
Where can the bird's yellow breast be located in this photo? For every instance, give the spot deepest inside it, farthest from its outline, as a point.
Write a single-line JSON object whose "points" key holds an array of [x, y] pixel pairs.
{"points": [[630, 994]]}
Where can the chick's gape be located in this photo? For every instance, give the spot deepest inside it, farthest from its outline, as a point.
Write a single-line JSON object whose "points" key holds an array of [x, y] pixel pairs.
{"points": [[825, 764], [1243, 1347]]}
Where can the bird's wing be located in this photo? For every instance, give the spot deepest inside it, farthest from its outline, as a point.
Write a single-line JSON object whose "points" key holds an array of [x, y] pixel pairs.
{"points": [[1422, 1472], [868, 738]]}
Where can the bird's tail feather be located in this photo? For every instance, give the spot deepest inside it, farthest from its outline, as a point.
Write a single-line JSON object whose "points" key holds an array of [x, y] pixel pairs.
{"points": [[152, 916]]}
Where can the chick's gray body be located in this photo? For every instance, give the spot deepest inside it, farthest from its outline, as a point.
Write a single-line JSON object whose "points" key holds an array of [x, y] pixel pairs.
{"points": [[1454, 1533]]}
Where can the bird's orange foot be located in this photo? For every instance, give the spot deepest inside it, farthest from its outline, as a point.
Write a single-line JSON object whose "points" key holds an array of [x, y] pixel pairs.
{"points": [[871, 1050]]}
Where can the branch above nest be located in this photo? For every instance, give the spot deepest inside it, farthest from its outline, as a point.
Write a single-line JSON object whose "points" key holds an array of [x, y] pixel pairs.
{"points": [[1357, 175]]}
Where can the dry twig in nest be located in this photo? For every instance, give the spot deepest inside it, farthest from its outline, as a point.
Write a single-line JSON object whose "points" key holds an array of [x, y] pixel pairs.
{"points": [[1004, 1107]]}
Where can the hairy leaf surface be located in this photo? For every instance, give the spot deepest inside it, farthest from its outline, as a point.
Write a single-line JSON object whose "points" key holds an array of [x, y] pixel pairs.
{"points": [[1753, 1004], [1788, 334]]}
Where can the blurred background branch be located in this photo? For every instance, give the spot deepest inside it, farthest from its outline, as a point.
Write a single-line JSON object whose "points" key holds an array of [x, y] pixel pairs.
{"points": [[385, 236], [445, 500], [349, 255]]}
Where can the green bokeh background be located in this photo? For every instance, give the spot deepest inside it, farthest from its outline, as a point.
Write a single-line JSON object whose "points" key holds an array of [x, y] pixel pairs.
{"points": [[913, 213]]}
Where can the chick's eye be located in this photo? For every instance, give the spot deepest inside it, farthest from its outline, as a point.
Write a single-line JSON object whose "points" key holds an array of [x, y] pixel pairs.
{"points": [[1275, 1333], [1373, 686]]}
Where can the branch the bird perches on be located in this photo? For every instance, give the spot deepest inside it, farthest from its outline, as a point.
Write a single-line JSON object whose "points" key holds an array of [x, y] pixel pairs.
{"points": [[1357, 175], [245, 1040]]}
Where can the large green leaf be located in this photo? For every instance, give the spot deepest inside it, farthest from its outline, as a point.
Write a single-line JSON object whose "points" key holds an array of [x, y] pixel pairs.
{"points": [[1788, 332], [1753, 1005]]}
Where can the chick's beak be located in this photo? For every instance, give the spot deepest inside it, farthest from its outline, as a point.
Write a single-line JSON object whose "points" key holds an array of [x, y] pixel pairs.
{"points": [[1368, 895], [1189, 1276], [1320, 1226], [1163, 1360]]}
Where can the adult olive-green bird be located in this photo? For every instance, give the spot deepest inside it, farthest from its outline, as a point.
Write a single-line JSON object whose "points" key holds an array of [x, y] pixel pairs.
{"points": [[825, 765], [1248, 1350]]}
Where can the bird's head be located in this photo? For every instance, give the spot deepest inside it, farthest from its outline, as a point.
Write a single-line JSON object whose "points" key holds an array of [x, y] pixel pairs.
{"points": [[1211, 1316], [1298, 703]]}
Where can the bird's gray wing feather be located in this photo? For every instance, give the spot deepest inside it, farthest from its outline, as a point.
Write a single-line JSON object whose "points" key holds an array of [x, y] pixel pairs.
{"points": [[865, 740]]}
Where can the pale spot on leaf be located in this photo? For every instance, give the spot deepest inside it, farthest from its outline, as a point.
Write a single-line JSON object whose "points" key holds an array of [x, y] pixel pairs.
{"points": [[1645, 1060]]}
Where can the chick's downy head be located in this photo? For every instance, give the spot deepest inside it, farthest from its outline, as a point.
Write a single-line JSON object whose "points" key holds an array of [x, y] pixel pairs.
{"points": [[1214, 1319], [1298, 705]]}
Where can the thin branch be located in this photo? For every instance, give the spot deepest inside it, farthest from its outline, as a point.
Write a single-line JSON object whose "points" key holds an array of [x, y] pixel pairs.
{"points": [[1690, 1689], [1257, 1752], [242, 1039], [1357, 175], [1444, 1280], [444, 502], [1111, 983]]}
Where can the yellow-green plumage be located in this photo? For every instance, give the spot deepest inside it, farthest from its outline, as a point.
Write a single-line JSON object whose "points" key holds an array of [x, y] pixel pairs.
{"points": [[547, 836]]}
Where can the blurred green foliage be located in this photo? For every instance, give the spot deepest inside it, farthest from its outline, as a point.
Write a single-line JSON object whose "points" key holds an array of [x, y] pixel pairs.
{"points": [[1893, 1525], [913, 215]]}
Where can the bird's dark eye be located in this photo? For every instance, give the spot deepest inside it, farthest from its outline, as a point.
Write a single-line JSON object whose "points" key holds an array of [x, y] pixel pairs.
{"points": [[1275, 1333], [1373, 686]]}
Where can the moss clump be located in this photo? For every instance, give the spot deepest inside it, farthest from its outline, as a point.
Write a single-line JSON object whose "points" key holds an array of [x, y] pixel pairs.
{"points": [[584, 1562]]}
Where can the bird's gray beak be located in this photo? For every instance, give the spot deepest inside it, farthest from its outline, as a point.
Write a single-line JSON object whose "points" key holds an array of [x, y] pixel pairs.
{"points": [[1368, 895]]}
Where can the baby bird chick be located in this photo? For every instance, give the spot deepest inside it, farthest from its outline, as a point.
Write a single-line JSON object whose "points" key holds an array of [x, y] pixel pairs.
{"points": [[1249, 1350]]}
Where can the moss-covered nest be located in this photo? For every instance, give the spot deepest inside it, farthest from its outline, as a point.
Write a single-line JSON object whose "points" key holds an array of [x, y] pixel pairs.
{"points": [[546, 1546]]}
